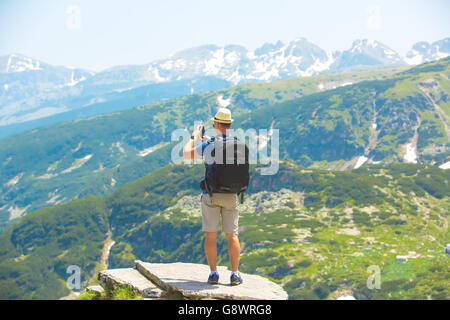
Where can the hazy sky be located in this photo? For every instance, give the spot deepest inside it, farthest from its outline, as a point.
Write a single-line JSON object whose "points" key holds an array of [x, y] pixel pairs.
{"points": [[97, 34]]}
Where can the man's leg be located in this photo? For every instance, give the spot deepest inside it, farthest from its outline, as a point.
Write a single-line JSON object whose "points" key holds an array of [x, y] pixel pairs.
{"points": [[210, 223], [211, 249], [234, 251], [230, 223]]}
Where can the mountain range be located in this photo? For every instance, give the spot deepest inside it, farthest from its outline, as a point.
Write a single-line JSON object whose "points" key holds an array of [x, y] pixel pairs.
{"points": [[34, 93], [335, 121]]}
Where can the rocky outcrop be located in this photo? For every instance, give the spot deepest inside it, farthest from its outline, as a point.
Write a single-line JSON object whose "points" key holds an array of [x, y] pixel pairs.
{"points": [[114, 278], [188, 281]]}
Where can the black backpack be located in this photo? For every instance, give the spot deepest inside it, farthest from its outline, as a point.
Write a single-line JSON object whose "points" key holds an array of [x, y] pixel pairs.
{"points": [[229, 170]]}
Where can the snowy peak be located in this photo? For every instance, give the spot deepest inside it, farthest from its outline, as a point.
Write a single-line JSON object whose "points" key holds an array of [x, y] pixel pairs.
{"points": [[57, 76], [237, 64], [26, 84], [367, 52], [365, 45], [205, 60], [18, 63], [297, 58], [425, 52]]}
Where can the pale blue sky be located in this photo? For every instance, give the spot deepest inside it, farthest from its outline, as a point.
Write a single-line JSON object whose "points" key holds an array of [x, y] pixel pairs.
{"points": [[109, 33]]}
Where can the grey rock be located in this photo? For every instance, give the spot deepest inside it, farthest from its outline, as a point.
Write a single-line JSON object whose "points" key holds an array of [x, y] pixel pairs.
{"points": [[130, 277], [95, 289], [190, 280]]}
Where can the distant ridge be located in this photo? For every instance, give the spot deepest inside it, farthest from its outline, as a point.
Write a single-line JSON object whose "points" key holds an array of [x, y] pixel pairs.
{"points": [[31, 89]]}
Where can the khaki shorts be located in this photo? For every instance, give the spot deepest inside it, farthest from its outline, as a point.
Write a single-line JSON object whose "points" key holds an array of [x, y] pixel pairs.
{"points": [[220, 204]]}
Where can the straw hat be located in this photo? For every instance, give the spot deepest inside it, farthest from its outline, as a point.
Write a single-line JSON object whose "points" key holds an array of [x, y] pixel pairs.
{"points": [[223, 115]]}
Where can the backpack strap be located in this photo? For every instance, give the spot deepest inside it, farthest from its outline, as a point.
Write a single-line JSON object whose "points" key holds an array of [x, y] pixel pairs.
{"points": [[241, 194], [208, 190]]}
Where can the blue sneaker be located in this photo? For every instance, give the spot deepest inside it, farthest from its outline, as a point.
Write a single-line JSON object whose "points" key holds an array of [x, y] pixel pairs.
{"points": [[236, 279], [213, 278]]}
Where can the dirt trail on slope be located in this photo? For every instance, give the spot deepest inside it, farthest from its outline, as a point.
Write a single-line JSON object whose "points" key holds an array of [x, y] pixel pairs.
{"points": [[109, 242]]}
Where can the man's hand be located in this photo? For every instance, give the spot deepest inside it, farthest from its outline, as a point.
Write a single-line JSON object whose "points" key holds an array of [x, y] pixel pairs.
{"points": [[189, 152], [197, 133]]}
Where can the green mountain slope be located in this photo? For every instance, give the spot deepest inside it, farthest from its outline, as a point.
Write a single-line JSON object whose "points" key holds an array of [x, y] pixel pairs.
{"points": [[96, 155], [403, 118], [36, 253], [314, 231], [317, 232]]}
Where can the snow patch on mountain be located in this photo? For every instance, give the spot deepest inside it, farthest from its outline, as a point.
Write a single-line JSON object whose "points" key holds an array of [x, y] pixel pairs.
{"points": [[232, 58], [346, 298], [16, 212], [357, 47], [73, 82], [14, 180], [411, 154], [78, 163], [360, 162], [425, 52], [154, 72], [445, 166], [168, 65], [415, 58], [319, 65], [213, 65], [19, 63]]}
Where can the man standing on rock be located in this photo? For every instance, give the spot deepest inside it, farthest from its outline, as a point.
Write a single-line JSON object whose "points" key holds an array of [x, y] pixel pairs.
{"points": [[226, 176]]}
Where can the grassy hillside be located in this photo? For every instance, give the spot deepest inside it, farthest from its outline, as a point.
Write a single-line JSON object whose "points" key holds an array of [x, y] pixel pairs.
{"points": [[375, 119], [56, 163], [314, 231], [36, 253]]}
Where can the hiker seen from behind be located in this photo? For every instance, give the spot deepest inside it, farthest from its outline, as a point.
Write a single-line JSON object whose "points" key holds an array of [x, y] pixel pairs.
{"points": [[226, 180]]}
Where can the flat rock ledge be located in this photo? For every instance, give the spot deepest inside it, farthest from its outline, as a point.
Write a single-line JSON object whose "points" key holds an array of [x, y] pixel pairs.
{"points": [[188, 281], [129, 277]]}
